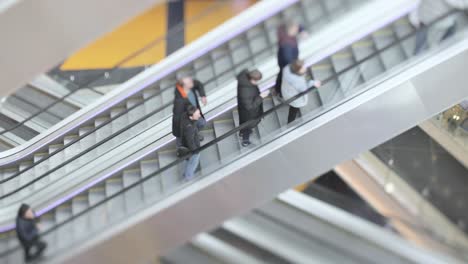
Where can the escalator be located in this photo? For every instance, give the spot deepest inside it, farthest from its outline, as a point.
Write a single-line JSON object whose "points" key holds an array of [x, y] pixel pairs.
{"points": [[59, 96], [295, 228], [151, 108], [153, 182]]}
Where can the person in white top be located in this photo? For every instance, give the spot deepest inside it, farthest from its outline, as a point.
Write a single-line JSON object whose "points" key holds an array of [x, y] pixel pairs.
{"points": [[428, 11], [294, 82]]}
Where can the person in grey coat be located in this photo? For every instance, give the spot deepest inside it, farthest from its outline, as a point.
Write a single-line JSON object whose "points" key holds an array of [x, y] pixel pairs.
{"points": [[295, 82], [427, 12]]}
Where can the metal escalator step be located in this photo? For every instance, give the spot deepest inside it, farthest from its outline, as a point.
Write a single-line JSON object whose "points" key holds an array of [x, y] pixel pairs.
{"points": [[402, 27], [281, 112], [167, 88], [54, 161], [97, 217], [80, 224], [134, 196], [270, 123], [393, 56], [171, 177], [371, 67], [137, 112], [210, 156], [25, 178], [79, 203], [71, 152], [408, 46], [89, 140], [153, 104], [116, 205], [221, 60], [104, 131], [11, 184], [62, 213], [239, 54], [228, 147], [40, 169], [225, 77], [347, 79], [259, 43], [204, 69], [118, 122], [152, 188]]}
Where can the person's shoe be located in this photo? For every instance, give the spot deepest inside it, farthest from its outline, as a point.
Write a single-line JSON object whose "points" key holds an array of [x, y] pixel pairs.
{"points": [[201, 138], [245, 143]]}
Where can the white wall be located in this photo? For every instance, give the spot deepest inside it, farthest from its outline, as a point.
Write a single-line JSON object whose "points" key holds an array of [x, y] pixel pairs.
{"points": [[36, 35]]}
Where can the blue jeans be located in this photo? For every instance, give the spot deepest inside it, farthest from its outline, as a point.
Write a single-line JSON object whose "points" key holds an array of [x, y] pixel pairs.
{"points": [[191, 166]]}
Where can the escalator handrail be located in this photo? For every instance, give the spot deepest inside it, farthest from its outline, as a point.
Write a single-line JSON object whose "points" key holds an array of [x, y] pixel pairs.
{"points": [[235, 130], [103, 124], [120, 114], [114, 68]]}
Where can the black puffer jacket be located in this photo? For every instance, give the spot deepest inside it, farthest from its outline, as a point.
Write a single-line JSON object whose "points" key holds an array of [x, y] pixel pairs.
{"points": [[26, 231], [249, 101], [181, 104], [189, 133]]}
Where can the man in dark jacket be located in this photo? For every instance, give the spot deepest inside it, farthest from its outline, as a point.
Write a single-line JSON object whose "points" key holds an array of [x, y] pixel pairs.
{"points": [[288, 49], [186, 95], [190, 139], [28, 233], [249, 101]]}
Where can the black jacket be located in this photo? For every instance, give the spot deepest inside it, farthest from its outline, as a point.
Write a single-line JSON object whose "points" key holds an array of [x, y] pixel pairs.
{"points": [[181, 104], [189, 133], [249, 101], [26, 231]]}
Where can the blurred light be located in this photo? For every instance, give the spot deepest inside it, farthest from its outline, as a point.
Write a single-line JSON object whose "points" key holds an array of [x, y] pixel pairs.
{"points": [[389, 187]]}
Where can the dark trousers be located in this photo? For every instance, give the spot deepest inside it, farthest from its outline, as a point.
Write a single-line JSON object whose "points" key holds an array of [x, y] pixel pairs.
{"points": [[279, 81], [293, 113], [34, 250]]}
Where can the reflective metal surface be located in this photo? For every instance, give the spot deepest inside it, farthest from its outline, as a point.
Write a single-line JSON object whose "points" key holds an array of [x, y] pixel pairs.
{"points": [[396, 104]]}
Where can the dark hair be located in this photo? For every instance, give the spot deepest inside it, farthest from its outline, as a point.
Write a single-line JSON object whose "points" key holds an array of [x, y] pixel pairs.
{"points": [[191, 110], [22, 210], [296, 66], [255, 75]]}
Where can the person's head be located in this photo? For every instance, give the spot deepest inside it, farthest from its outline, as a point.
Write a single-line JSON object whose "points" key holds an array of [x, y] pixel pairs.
{"points": [[254, 76], [193, 113], [298, 67], [292, 28], [26, 212], [185, 82]]}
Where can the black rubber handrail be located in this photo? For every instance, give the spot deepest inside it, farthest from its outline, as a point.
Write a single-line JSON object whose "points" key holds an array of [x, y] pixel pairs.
{"points": [[235, 130], [58, 150], [103, 124], [159, 92], [158, 40]]}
